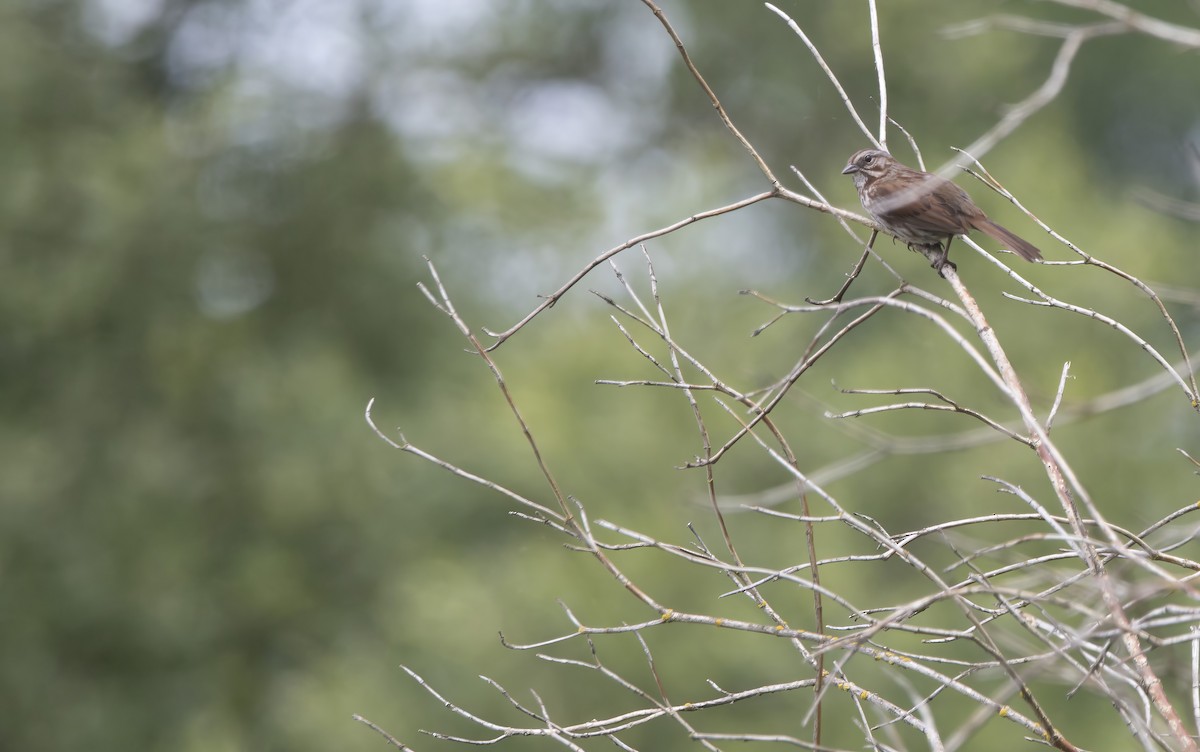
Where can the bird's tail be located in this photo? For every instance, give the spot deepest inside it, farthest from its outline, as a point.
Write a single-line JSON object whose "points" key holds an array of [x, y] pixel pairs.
{"points": [[1021, 247]]}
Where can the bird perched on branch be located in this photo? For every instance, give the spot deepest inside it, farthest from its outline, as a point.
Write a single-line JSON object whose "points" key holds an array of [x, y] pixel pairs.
{"points": [[922, 209]]}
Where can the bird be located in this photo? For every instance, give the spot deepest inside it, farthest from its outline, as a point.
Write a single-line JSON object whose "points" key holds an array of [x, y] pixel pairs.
{"points": [[921, 209]]}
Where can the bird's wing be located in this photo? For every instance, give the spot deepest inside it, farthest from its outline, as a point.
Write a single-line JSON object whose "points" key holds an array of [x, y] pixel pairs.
{"points": [[929, 203]]}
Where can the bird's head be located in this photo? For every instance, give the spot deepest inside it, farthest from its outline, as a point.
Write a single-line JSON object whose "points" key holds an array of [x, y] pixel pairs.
{"points": [[870, 163]]}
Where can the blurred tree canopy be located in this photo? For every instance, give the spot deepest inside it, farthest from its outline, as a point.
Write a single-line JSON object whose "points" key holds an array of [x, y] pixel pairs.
{"points": [[212, 218]]}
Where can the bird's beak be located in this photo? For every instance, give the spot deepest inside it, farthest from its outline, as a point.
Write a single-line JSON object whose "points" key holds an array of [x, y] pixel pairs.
{"points": [[849, 168]]}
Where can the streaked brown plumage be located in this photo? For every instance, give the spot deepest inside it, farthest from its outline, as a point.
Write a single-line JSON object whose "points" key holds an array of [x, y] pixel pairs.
{"points": [[922, 209]]}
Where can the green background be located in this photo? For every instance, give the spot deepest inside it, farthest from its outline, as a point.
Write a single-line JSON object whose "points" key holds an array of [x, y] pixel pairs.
{"points": [[212, 221]]}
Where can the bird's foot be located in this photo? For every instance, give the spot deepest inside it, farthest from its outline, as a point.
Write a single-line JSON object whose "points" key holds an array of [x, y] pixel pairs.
{"points": [[938, 255]]}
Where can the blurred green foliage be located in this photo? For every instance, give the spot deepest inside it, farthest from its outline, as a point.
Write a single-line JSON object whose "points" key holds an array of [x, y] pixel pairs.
{"points": [[212, 219]]}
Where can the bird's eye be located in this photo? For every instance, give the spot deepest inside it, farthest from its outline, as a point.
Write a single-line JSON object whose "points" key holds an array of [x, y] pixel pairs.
{"points": [[869, 159]]}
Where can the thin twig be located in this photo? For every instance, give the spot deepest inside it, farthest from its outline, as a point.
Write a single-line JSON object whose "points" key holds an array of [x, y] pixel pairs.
{"points": [[812, 48], [877, 49]]}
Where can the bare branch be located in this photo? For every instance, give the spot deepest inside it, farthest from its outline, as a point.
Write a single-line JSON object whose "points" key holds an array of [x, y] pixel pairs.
{"points": [[1138, 22], [1037, 591], [828, 72]]}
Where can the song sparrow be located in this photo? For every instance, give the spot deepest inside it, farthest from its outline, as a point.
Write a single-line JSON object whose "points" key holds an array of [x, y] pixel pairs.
{"points": [[922, 209]]}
